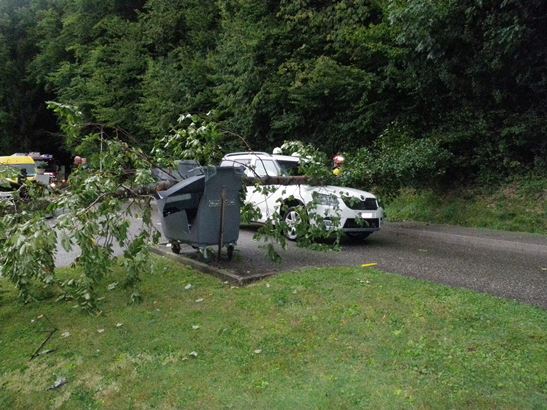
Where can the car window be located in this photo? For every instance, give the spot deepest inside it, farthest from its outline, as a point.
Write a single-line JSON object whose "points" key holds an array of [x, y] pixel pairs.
{"points": [[288, 167], [239, 163], [29, 168], [266, 167]]}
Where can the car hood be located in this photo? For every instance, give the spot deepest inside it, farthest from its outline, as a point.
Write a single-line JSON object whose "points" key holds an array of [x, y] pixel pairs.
{"points": [[340, 190]]}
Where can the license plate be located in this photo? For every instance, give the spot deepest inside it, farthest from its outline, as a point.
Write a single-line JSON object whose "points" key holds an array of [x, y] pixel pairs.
{"points": [[366, 215]]}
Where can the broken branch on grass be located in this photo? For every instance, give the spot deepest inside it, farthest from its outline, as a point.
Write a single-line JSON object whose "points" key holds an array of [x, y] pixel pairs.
{"points": [[51, 332]]}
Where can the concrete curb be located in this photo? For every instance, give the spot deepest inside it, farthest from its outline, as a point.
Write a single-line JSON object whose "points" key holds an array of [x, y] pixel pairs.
{"points": [[470, 240], [224, 274]]}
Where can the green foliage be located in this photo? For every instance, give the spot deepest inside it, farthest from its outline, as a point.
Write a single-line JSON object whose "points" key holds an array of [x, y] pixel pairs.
{"points": [[193, 138], [395, 160], [71, 122], [314, 162], [7, 174], [24, 118], [28, 247], [170, 85], [471, 65], [466, 76], [93, 215]]}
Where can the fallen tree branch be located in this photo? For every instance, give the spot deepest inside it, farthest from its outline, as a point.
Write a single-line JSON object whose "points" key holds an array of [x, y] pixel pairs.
{"points": [[283, 180], [51, 332]]}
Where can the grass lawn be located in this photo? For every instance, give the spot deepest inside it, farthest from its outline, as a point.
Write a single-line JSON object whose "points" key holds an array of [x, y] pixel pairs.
{"points": [[320, 338]]}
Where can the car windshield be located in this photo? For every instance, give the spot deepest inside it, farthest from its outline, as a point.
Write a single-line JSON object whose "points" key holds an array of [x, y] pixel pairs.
{"points": [[266, 167], [47, 165], [288, 168]]}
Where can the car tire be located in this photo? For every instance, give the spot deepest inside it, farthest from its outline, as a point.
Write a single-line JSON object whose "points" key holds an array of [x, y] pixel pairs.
{"points": [[292, 219], [175, 248], [230, 252], [358, 236]]}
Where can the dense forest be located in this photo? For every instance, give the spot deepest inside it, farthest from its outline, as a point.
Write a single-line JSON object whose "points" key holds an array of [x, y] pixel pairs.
{"points": [[452, 88]]}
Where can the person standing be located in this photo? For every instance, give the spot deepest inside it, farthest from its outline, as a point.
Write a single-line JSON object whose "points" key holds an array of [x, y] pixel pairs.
{"points": [[337, 164], [77, 161]]}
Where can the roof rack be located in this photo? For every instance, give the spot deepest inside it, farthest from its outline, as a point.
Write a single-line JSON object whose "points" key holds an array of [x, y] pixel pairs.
{"points": [[235, 154], [34, 155]]}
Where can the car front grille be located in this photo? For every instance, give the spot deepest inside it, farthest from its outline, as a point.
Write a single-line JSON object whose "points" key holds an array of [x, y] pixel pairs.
{"points": [[369, 204], [362, 223]]}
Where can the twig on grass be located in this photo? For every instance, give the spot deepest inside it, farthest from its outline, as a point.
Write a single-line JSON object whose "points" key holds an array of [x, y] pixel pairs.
{"points": [[51, 332]]}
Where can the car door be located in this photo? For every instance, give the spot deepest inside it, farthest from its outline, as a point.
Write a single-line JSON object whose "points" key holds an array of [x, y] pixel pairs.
{"points": [[264, 197]]}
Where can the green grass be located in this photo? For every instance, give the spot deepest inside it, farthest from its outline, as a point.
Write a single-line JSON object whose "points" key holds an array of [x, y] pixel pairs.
{"points": [[328, 338], [519, 206]]}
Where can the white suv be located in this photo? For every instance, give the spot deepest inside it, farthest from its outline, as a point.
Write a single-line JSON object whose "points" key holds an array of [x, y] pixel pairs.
{"points": [[359, 212]]}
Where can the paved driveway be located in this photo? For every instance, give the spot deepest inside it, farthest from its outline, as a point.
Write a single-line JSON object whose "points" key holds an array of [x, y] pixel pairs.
{"points": [[504, 264]]}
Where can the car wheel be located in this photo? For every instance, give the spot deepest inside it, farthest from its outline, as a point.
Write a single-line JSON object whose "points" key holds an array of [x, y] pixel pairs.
{"points": [[175, 247], [230, 251], [358, 236], [292, 220]]}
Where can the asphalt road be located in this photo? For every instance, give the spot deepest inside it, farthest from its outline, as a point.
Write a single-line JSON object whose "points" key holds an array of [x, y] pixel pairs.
{"points": [[509, 265], [502, 264]]}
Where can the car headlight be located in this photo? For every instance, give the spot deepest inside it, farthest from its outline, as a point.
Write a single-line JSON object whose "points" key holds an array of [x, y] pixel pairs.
{"points": [[325, 199]]}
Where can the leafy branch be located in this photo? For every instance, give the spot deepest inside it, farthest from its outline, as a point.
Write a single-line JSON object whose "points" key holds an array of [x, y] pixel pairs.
{"points": [[96, 211]]}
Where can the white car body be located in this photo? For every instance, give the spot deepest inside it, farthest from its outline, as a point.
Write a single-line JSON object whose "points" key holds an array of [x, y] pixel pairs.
{"points": [[358, 210], [6, 196]]}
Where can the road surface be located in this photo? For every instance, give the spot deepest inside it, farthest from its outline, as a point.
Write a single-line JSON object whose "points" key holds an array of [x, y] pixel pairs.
{"points": [[502, 264], [509, 265]]}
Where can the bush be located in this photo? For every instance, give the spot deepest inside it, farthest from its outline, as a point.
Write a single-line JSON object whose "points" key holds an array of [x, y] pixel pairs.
{"points": [[396, 160]]}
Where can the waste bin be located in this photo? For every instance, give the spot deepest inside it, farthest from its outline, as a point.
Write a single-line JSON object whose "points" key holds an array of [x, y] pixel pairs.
{"points": [[203, 210], [189, 168]]}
